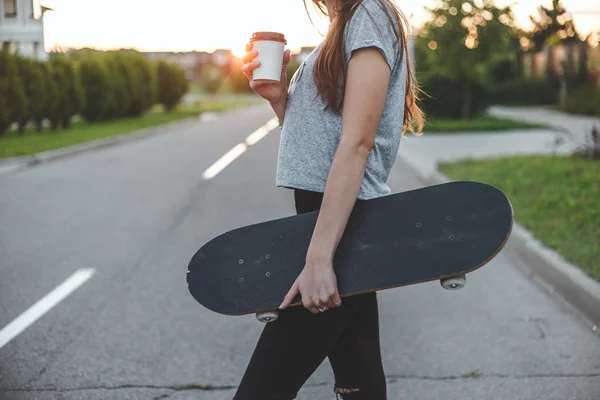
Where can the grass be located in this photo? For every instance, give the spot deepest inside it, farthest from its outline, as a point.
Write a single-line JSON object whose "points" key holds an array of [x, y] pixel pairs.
{"points": [[481, 123], [14, 145], [555, 198], [196, 87]]}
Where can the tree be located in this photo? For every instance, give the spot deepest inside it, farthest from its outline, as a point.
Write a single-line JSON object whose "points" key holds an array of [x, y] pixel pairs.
{"points": [[34, 89], [212, 79], [72, 94], [143, 83], [552, 26], [459, 41], [95, 82], [13, 103], [172, 84], [52, 95], [121, 77], [59, 106]]}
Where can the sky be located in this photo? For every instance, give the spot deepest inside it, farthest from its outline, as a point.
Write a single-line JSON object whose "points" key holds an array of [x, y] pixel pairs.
{"points": [[185, 25]]}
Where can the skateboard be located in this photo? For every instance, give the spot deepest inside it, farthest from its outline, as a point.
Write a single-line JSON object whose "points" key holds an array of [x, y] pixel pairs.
{"points": [[441, 232]]}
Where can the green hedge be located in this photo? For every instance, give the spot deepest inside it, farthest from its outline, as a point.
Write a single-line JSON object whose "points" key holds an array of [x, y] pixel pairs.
{"points": [[96, 81], [585, 100], [13, 103], [172, 85], [96, 85], [32, 77], [526, 92], [51, 91], [445, 98]]}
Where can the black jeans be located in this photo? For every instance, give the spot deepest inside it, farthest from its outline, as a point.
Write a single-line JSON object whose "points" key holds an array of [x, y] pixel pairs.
{"points": [[291, 348]]}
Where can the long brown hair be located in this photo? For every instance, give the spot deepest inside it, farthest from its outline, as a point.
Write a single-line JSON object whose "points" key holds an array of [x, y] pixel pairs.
{"points": [[330, 66]]}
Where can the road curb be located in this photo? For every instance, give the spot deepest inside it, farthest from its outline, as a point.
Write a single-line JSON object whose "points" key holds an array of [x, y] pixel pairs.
{"points": [[538, 261], [15, 164]]}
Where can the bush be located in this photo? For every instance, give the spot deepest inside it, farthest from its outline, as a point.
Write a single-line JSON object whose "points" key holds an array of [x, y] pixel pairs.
{"points": [[238, 80], [118, 83], [502, 70], [71, 101], [56, 111], [143, 83], [585, 100], [96, 88], [446, 98], [34, 90], [52, 94], [212, 79], [527, 91], [172, 84], [121, 77], [124, 76], [13, 103]]}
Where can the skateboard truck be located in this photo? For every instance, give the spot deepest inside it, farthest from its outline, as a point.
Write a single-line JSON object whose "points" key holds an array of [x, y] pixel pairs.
{"points": [[267, 316], [454, 283]]}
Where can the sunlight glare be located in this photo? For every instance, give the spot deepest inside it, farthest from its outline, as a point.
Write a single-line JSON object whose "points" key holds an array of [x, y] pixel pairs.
{"points": [[238, 52]]}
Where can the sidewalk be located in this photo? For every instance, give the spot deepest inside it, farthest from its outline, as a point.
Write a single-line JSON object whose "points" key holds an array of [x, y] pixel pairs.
{"points": [[477, 145], [579, 126], [566, 133], [424, 153]]}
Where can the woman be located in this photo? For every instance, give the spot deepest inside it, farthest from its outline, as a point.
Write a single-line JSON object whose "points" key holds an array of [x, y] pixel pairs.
{"points": [[338, 145]]}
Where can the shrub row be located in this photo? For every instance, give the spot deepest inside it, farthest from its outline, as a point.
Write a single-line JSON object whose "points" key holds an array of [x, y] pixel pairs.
{"points": [[215, 79], [446, 98], [94, 84], [527, 92], [584, 100]]}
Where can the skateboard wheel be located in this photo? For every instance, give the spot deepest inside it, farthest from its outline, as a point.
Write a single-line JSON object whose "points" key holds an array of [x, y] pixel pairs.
{"points": [[458, 282], [267, 316]]}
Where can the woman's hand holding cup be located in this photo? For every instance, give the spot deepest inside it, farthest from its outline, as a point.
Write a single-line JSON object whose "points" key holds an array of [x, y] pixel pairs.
{"points": [[267, 84]]}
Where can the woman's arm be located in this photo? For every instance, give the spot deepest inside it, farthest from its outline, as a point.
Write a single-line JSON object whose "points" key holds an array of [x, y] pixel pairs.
{"points": [[364, 99], [279, 108]]}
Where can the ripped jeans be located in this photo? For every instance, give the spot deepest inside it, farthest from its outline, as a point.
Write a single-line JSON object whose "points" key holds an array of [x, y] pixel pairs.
{"points": [[292, 348]]}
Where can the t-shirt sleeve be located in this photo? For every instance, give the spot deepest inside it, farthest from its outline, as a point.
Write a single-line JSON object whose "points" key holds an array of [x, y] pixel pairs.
{"points": [[373, 26]]}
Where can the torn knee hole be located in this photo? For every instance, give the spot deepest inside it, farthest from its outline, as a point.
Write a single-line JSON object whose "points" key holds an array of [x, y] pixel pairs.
{"points": [[346, 391]]}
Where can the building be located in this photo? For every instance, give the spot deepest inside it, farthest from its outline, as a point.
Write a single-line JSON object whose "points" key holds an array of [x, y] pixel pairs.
{"points": [[22, 27], [190, 62]]}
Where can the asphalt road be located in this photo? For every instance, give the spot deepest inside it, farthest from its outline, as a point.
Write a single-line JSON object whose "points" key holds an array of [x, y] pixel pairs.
{"points": [[136, 213]]}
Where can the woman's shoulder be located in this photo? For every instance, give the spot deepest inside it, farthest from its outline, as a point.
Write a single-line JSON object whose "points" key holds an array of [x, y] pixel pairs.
{"points": [[378, 12], [373, 22]]}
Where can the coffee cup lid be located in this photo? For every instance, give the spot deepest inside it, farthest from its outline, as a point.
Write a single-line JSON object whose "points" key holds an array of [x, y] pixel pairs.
{"points": [[277, 37]]}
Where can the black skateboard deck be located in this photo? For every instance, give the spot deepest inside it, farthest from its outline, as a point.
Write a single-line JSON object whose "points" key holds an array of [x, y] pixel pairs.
{"points": [[439, 232]]}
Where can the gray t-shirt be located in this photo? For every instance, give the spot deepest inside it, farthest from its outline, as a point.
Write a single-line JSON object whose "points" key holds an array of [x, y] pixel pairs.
{"points": [[311, 134]]}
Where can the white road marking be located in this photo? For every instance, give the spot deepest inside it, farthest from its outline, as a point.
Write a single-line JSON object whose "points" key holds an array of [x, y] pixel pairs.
{"points": [[45, 304], [262, 132], [224, 161], [208, 117], [240, 149]]}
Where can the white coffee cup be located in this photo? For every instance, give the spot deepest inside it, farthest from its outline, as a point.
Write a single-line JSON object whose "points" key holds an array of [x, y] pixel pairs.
{"points": [[271, 48]]}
